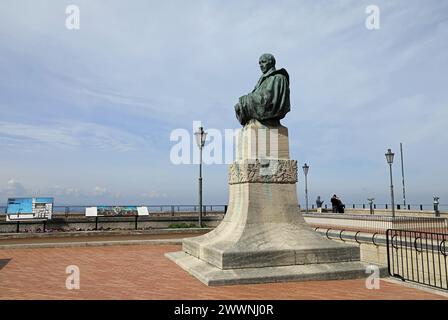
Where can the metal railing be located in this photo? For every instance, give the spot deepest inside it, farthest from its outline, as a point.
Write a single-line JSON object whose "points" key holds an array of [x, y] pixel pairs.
{"points": [[221, 207], [386, 206], [378, 224], [419, 257], [83, 223], [165, 208], [218, 207], [66, 216]]}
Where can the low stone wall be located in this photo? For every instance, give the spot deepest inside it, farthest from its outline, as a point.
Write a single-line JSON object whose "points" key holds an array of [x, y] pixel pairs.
{"points": [[376, 223], [383, 212], [73, 223], [373, 247]]}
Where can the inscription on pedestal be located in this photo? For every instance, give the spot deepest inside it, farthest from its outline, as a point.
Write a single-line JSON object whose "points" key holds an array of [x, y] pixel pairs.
{"points": [[263, 171]]}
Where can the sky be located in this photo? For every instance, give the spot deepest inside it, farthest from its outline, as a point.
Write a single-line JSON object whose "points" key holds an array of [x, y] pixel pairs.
{"points": [[86, 115]]}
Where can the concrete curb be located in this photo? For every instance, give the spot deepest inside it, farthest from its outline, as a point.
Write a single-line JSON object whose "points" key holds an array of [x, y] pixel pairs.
{"points": [[417, 286], [92, 244], [102, 233]]}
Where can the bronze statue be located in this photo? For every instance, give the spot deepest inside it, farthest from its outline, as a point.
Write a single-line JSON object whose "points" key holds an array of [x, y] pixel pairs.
{"points": [[269, 101]]}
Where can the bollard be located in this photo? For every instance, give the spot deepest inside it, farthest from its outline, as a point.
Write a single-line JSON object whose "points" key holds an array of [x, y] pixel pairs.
{"points": [[225, 209], [363, 206], [398, 207], [136, 222], [421, 207], [386, 206], [18, 226]]}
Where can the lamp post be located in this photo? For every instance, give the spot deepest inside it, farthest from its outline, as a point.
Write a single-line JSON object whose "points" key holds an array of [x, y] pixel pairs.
{"points": [[305, 171], [390, 159], [200, 141], [402, 176]]}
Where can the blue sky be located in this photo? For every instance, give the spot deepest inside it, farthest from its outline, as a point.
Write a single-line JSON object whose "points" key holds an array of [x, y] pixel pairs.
{"points": [[86, 115]]}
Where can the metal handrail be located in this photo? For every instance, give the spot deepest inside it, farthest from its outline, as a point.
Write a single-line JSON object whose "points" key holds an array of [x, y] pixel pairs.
{"points": [[327, 233], [356, 237], [340, 235], [373, 239]]}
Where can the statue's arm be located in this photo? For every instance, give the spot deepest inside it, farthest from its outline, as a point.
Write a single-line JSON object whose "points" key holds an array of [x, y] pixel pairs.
{"points": [[269, 98], [265, 102], [258, 99]]}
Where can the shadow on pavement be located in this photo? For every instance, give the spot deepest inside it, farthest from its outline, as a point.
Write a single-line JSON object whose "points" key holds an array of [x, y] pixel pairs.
{"points": [[3, 263]]}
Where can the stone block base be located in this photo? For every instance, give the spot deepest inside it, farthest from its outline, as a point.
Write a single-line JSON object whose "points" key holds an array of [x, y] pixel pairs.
{"points": [[213, 276]]}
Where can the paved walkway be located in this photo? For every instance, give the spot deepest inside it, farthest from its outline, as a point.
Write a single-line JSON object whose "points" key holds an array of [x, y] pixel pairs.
{"points": [[142, 272]]}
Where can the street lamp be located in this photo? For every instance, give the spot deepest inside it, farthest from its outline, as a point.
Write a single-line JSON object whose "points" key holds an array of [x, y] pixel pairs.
{"points": [[305, 171], [200, 141], [390, 159]]}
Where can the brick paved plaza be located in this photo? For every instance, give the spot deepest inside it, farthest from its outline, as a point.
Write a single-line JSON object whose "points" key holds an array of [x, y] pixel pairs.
{"points": [[142, 272]]}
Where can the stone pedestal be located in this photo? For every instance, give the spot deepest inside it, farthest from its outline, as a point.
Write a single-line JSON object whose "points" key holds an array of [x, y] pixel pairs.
{"points": [[263, 237]]}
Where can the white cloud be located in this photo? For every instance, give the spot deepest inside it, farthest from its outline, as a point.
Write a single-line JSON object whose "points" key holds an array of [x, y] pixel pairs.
{"points": [[154, 194], [14, 189], [98, 191], [69, 135]]}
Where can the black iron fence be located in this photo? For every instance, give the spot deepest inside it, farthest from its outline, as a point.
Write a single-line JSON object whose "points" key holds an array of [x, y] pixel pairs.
{"points": [[167, 208], [173, 209], [418, 256], [72, 218], [106, 223], [385, 206]]}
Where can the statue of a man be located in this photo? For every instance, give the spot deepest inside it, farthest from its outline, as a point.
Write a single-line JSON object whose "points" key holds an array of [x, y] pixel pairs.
{"points": [[269, 101]]}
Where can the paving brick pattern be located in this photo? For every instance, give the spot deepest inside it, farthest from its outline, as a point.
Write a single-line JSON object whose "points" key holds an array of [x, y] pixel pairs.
{"points": [[143, 272]]}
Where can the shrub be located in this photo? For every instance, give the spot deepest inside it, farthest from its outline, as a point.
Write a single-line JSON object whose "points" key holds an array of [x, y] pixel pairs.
{"points": [[182, 225]]}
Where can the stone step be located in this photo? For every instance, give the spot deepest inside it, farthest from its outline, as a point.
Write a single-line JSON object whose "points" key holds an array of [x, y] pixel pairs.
{"points": [[281, 256], [213, 276]]}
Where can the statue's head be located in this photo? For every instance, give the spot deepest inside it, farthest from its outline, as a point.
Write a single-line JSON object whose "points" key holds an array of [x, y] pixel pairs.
{"points": [[266, 62]]}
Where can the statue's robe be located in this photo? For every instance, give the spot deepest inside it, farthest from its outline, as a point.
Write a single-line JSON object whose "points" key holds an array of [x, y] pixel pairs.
{"points": [[268, 102]]}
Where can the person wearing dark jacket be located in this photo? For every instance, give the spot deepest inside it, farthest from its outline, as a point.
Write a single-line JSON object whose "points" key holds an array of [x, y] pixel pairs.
{"points": [[336, 204]]}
